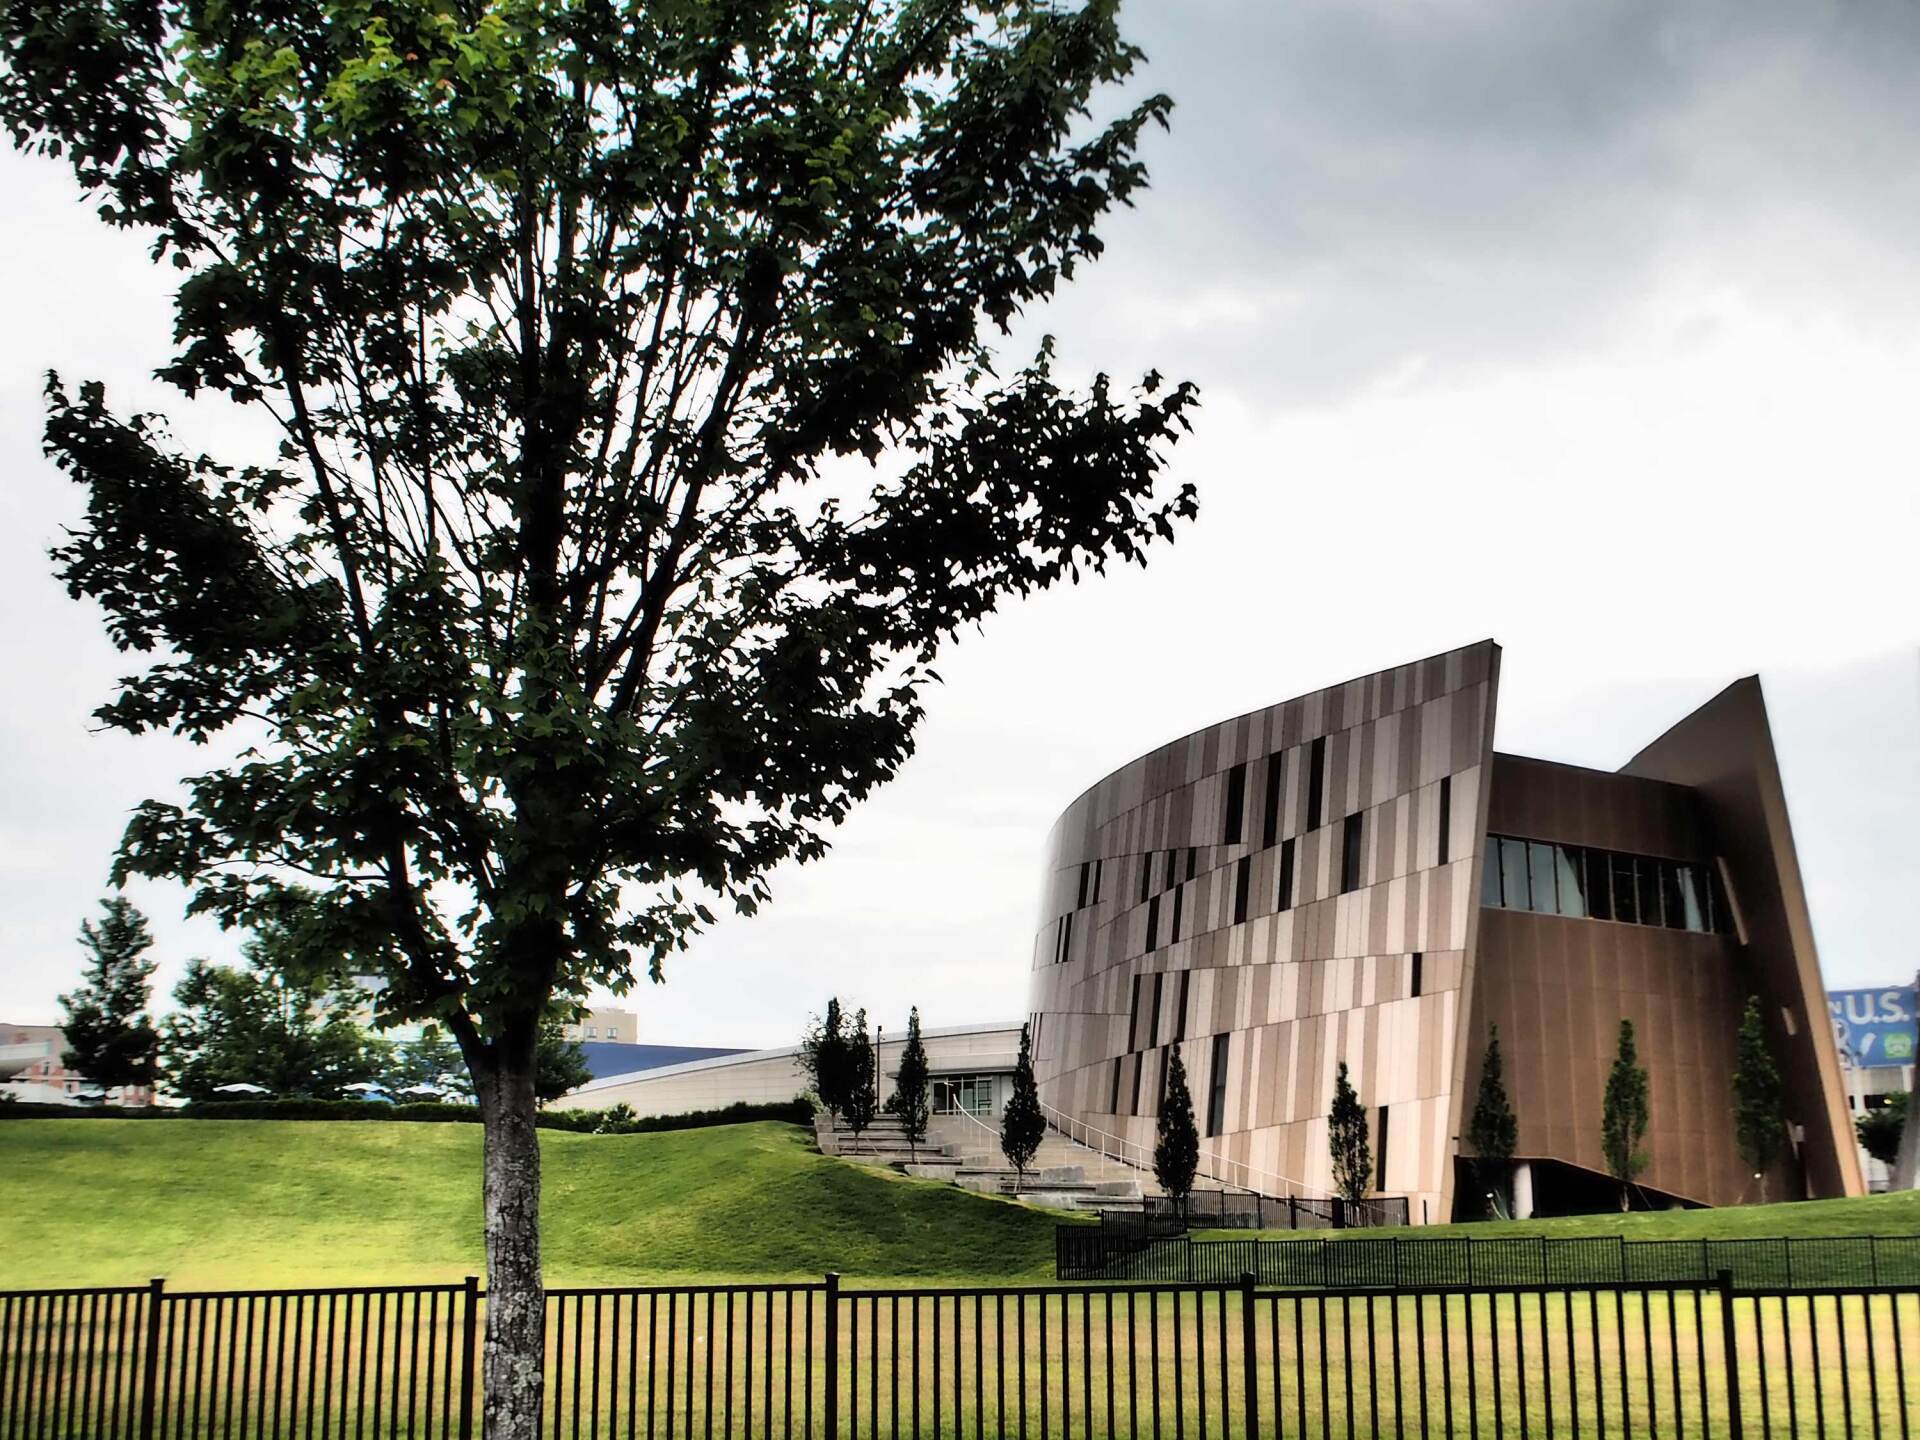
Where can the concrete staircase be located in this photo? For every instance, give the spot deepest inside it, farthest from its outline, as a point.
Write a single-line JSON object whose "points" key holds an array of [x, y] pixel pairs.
{"points": [[1064, 1175]]}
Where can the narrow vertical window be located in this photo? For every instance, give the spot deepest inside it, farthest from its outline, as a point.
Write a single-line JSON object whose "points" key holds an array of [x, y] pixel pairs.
{"points": [[1626, 895], [1380, 1125], [1146, 876], [1540, 869], [1599, 889], [1316, 783], [1270, 812], [1133, 1017], [1066, 938], [1097, 865], [1153, 924], [1217, 1086], [1180, 1031], [1179, 894], [1286, 874], [1086, 876], [1350, 838], [1446, 814], [1242, 874], [1191, 854], [1113, 1096], [1139, 1064], [1166, 1064], [1153, 1025], [1236, 803], [1419, 958], [1173, 873]]}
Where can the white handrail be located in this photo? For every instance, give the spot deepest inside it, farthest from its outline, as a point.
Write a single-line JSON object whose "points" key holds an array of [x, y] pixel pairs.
{"points": [[1067, 1124]]}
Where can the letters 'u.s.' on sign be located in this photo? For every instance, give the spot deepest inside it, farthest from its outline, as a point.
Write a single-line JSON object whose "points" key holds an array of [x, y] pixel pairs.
{"points": [[1874, 1027]]}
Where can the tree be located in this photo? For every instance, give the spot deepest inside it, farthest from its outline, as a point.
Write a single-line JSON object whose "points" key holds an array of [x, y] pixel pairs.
{"points": [[1022, 1124], [1759, 1109], [1347, 1140], [573, 598], [562, 1064], [859, 1102], [1880, 1128], [1623, 1121], [824, 1054], [261, 1026], [110, 1036], [1176, 1139], [432, 1060], [1493, 1132], [909, 1098]]}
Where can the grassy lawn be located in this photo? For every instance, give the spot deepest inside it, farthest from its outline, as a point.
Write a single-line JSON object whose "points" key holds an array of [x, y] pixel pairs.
{"points": [[258, 1203], [1867, 1215]]}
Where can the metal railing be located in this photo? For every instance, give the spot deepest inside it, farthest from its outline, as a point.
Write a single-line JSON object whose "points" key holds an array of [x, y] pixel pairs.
{"points": [[1125, 1251], [1218, 1358], [1216, 1168]]}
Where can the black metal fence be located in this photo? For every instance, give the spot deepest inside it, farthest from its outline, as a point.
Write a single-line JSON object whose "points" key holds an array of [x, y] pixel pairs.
{"points": [[1236, 1210], [1122, 1251], [1204, 1360]]}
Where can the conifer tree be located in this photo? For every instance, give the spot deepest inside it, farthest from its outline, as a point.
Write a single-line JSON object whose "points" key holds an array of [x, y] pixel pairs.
{"points": [[1023, 1123], [909, 1098], [823, 1055], [1176, 1145], [857, 1102], [1347, 1140], [1759, 1110], [1493, 1131], [1623, 1122], [111, 1038]]}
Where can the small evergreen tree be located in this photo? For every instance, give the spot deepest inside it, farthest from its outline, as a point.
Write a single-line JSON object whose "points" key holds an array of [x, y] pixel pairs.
{"points": [[824, 1051], [1493, 1132], [560, 1064], [1022, 1125], [1176, 1142], [1623, 1123], [857, 1100], [110, 1036], [1759, 1109], [1347, 1140], [909, 1098]]}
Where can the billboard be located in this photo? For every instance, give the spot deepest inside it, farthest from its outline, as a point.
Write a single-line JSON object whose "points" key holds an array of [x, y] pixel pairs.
{"points": [[1874, 1027]]}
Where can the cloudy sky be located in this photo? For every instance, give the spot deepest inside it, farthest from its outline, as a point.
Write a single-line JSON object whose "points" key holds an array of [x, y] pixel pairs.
{"points": [[1594, 328]]}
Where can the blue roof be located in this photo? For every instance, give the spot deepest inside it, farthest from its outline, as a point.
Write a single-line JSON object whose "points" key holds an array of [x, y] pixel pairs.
{"points": [[607, 1057]]}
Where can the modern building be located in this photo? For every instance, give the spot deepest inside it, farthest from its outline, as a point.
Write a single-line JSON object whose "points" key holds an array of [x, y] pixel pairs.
{"points": [[970, 1067], [1358, 876], [32, 1071], [605, 1025]]}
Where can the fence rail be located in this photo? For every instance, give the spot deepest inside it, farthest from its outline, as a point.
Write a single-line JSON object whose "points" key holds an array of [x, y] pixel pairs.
{"points": [[1223, 1360], [1126, 1251]]}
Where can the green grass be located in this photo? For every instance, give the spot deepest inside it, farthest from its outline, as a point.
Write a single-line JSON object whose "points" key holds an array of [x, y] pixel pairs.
{"points": [[1897, 1214], [259, 1202]]}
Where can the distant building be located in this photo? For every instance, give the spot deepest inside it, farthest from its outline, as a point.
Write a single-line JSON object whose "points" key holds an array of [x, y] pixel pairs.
{"points": [[1875, 1033], [31, 1071], [617, 1027]]}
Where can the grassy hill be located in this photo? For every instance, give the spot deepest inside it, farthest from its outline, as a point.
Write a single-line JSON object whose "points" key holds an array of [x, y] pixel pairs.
{"points": [[251, 1203]]}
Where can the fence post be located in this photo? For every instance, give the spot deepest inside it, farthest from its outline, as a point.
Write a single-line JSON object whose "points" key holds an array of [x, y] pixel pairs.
{"points": [[1293, 1213], [1732, 1345], [150, 1363], [1249, 1356], [469, 1348], [832, 1364]]}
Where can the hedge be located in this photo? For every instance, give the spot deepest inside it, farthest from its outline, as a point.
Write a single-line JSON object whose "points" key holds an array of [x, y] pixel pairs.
{"points": [[796, 1112]]}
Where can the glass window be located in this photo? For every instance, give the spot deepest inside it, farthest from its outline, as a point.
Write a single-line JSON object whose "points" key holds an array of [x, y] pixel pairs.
{"points": [[1153, 1025], [1693, 909], [1113, 1099], [1217, 1089], [1180, 1030], [1599, 888], [1139, 1064], [1513, 874], [1626, 894], [1647, 882], [1540, 872], [1676, 908], [1570, 870], [1350, 842], [1236, 803], [1316, 782], [1270, 820], [1490, 873], [973, 1094], [1286, 874], [1446, 814], [1242, 874], [1153, 924], [1178, 893]]}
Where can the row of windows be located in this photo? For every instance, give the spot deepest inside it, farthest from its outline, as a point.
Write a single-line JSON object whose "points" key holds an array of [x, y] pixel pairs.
{"points": [[1590, 884], [1216, 1089]]}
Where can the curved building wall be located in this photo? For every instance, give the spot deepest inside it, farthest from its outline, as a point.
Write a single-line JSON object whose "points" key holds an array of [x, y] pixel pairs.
{"points": [[1163, 923]]}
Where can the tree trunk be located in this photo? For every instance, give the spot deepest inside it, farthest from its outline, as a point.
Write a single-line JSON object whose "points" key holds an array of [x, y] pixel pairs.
{"points": [[516, 1293]]}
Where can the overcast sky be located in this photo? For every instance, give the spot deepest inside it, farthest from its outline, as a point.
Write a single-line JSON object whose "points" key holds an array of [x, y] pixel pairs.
{"points": [[1614, 308]]}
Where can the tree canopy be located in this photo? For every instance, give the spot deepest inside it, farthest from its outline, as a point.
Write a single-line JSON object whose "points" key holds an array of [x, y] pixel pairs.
{"points": [[1022, 1123], [1493, 1131], [110, 1037], [1624, 1114], [1759, 1104], [909, 1100], [825, 1054], [1347, 1141]]}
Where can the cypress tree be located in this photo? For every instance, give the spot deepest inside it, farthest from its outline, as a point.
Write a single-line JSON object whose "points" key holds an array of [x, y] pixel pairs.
{"points": [[856, 1074], [1347, 1140], [1623, 1122], [110, 1037], [824, 1052], [1176, 1146], [909, 1098], [1493, 1132], [1759, 1111], [1022, 1125]]}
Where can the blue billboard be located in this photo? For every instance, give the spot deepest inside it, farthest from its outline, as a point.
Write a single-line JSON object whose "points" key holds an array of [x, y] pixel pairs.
{"points": [[1875, 1027]]}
